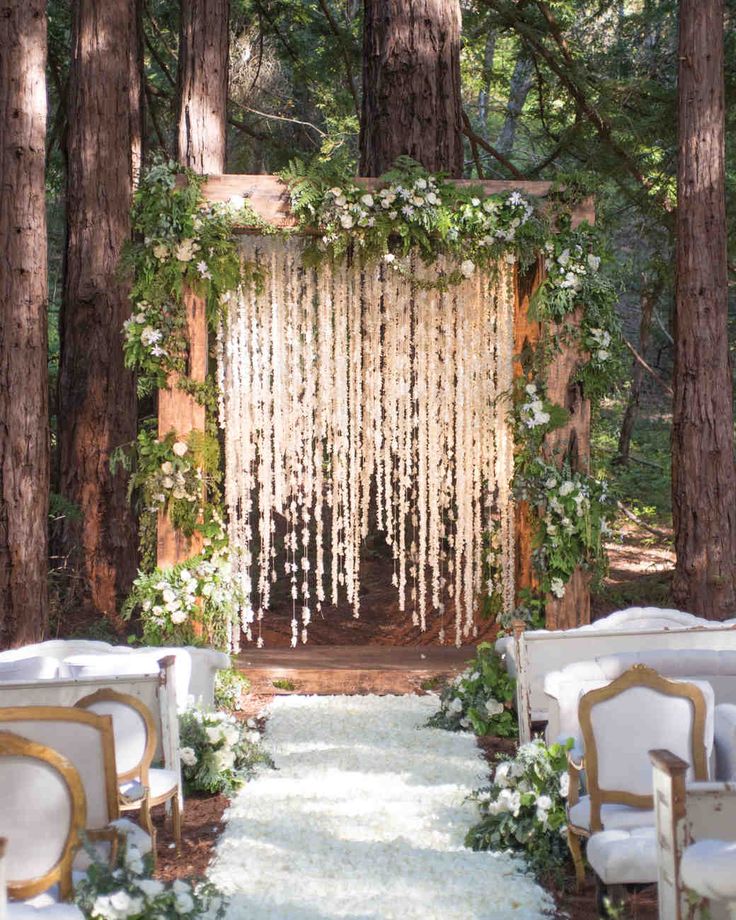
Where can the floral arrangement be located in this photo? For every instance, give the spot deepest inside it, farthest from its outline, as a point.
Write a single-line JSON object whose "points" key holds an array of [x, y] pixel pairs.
{"points": [[181, 244], [218, 752], [480, 698], [575, 514], [124, 890], [523, 809], [230, 687], [188, 603], [411, 209]]}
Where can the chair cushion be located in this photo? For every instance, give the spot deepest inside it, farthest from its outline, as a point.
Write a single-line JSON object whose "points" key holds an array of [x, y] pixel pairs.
{"points": [[132, 790], [709, 868], [613, 817], [162, 781], [37, 667], [624, 857]]}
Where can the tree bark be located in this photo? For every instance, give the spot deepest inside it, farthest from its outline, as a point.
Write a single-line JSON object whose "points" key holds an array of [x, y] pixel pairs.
{"points": [[485, 92], [97, 404], [521, 83], [24, 428], [203, 80], [411, 85], [703, 474], [649, 297]]}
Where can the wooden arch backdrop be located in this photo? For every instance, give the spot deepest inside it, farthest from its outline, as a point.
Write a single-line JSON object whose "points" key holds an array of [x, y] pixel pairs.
{"points": [[269, 198]]}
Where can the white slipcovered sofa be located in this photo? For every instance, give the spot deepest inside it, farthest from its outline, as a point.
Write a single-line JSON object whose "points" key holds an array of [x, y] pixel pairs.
{"points": [[530, 655], [565, 687], [64, 659]]}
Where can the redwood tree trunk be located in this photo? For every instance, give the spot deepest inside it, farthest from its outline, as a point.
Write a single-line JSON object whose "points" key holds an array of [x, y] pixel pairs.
{"points": [[411, 85], [24, 428], [203, 72], [97, 404], [703, 474]]}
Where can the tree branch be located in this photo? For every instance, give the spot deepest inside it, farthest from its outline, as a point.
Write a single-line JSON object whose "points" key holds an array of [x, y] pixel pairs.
{"points": [[477, 139], [337, 31], [660, 380]]}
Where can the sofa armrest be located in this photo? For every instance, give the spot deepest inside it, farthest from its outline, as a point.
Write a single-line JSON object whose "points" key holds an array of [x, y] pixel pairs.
{"points": [[725, 741]]}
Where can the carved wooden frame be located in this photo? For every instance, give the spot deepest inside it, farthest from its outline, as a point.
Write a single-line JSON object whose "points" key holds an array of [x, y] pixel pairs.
{"points": [[61, 873]]}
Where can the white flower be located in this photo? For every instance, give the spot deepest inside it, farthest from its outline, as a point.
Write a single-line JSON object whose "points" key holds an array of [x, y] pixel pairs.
{"points": [[432, 198], [151, 336], [564, 784], [336, 192], [456, 705], [178, 617], [184, 903], [160, 251], [557, 587], [501, 776], [564, 257], [225, 759], [188, 756], [150, 887], [602, 354], [185, 250], [475, 202], [236, 202], [407, 210], [594, 262], [367, 200], [467, 268], [203, 269], [347, 221], [421, 183], [168, 596], [389, 257], [494, 707], [140, 318], [167, 467], [567, 487], [180, 448]]}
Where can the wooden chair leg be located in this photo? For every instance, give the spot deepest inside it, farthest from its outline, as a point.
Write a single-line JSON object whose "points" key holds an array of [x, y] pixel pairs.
{"points": [[573, 843], [176, 821]]}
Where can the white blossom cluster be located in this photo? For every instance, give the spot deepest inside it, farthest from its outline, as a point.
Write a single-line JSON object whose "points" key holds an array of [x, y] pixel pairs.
{"points": [[569, 267], [176, 478], [533, 412], [142, 329], [599, 343], [125, 891]]}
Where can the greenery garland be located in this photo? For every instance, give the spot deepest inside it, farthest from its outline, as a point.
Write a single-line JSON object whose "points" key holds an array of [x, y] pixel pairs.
{"points": [[184, 243]]}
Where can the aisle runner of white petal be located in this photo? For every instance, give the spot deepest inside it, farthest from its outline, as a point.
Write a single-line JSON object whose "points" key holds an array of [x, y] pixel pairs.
{"points": [[364, 819]]}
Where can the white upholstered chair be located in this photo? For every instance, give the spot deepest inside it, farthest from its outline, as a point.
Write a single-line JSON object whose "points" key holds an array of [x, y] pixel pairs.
{"points": [[620, 723], [85, 739], [42, 813], [134, 729]]}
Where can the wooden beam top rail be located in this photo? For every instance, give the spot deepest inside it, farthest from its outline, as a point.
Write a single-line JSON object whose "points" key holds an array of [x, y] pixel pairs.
{"points": [[269, 196]]}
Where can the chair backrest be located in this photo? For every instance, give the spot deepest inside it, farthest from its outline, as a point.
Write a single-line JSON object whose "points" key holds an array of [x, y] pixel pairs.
{"points": [[86, 740], [623, 721], [42, 812], [134, 729]]}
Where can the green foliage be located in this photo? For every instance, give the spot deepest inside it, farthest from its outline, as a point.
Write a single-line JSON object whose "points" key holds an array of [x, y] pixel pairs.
{"points": [[218, 753], [124, 888], [181, 243], [190, 603], [480, 698], [230, 687], [176, 475], [283, 683], [574, 517], [523, 809]]}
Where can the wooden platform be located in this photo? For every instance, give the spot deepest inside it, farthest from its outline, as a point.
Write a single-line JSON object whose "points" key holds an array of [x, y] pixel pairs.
{"points": [[327, 669]]}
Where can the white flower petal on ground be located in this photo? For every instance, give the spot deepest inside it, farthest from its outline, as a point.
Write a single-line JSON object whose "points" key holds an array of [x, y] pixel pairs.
{"points": [[364, 819]]}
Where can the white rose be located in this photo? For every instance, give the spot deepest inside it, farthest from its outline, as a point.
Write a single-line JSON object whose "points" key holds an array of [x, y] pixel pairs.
{"points": [[188, 756], [347, 221], [494, 707], [564, 784], [225, 759], [180, 448], [178, 617], [501, 776], [456, 705], [367, 200], [168, 596], [150, 887], [467, 268]]}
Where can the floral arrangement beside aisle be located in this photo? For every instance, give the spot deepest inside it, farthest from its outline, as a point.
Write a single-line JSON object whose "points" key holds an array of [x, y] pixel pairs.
{"points": [[218, 753], [480, 699], [524, 808], [126, 891]]}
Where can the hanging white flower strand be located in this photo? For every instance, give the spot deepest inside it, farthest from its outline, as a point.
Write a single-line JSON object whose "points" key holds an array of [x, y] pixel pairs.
{"points": [[354, 397]]}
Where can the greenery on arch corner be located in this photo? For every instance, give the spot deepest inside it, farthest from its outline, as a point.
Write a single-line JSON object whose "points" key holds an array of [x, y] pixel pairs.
{"points": [[181, 243], [480, 699]]}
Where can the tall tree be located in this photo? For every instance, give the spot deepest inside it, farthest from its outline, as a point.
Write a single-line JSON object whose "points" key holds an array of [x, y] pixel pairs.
{"points": [[24, 430], [411, 85], [703, 473], [97, 404], [203, 78]]}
